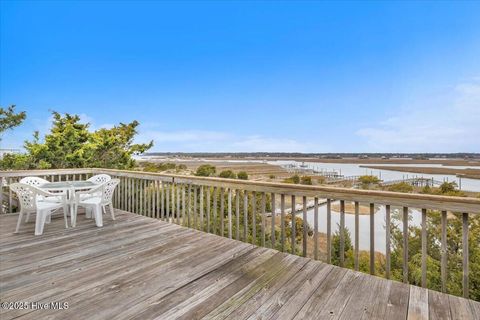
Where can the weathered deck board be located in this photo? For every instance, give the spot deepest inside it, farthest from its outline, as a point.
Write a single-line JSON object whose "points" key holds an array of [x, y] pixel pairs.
{"points": [[137, 267]]}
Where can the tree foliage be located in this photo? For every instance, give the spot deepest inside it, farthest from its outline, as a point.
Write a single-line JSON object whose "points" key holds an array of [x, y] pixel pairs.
{"points": [[10, 119], [70, 144]]}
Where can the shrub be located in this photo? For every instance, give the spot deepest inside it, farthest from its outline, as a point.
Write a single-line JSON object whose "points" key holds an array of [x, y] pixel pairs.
{"points": [[293, 179], [306, 180], [228, 174], [401, 187], [206, 170], [242, 175]]}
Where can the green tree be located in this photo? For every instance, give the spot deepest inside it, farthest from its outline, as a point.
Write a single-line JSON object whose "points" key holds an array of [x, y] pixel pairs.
{"points": [[206, 170], [10, 119], [228, 174], [70, 144], [242, 175]]}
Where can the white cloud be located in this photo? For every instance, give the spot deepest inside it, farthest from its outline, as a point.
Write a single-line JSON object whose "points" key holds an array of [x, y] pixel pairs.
{"points": [[448, 122]]}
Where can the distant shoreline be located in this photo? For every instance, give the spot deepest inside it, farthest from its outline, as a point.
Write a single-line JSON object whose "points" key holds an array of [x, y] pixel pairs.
{"points": [[464, 173]]}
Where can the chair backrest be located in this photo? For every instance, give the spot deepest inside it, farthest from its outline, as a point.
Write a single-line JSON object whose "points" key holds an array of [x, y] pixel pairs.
{"points": [[100, 178], [108, 189], [33, 181], [27, 195]]}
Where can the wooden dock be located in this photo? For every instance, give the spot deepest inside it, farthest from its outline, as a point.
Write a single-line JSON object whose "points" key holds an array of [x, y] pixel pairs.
{"points": [[142, 268]]}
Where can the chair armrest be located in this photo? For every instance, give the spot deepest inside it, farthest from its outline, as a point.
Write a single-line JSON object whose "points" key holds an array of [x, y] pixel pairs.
{"points": [[98, 188]]}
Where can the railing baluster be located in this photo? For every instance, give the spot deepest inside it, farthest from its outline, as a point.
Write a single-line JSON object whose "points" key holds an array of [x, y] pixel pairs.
{"points": [[329, 231], [153, 197], [444, 252], [131, 194], [424, 248], [1, 196], [342, 233], [168, 211], [189, 206], [304, 251], [282, 221], [245, 216], [272, 236], [465, 253], [178, 187], [237, 214], [372, 238], [387, 241], [162, 217], [264, 203], [173, 212], [215, 221], [254, 221], [183, 204], [208, 209], [357, 242], [222, 211], [195, 220], [201, 209], [10, 196], [230, 213], [315, 228], [405, 244], [148, 198], [293, 227]]}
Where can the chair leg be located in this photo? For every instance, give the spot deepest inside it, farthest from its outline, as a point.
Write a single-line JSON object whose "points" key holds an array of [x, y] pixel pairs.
{"points": [[27, 217], [65, 215], [48, 219], [40, 222], [20, 216], [97, 211], [112, 211], [104, 210], [73, 215]]}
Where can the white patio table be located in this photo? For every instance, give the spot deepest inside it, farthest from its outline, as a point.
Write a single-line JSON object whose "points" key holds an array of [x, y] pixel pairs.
{"points": [[70, 187]]}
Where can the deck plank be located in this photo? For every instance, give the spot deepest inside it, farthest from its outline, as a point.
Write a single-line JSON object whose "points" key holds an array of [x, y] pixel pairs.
{"points": [[142, 268]]}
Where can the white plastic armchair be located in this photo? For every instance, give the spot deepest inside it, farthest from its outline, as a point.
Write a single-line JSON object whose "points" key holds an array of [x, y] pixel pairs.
{"points": [[28, 196], [90, 200], [33, 181], [100, 178], [36, 182]]}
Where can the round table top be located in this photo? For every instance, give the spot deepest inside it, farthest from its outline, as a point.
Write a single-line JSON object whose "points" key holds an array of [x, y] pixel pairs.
{"points": [[63, 185]]}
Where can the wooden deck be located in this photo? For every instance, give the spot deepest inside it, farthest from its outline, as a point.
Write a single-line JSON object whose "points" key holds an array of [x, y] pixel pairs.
{"points": [[141, 268]]}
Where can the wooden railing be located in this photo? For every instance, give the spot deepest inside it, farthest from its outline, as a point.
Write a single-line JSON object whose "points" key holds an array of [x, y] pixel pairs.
{"points": [[243, 210]]}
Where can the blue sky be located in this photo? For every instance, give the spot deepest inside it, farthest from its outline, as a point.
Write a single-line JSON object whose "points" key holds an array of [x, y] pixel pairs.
{"points": [[250, 76]]}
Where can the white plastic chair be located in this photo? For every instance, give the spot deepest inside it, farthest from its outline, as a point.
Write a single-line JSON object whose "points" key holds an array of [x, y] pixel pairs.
{"points": [[90, 200], [100, 178], [28, 196], [36, 182]]}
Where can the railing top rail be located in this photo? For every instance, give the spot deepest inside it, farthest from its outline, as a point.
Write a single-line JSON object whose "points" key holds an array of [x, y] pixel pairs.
{"points": [[436, 202]]}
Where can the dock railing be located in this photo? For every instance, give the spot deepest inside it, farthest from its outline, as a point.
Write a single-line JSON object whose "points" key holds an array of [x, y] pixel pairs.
{"points": [[261, 213]]}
